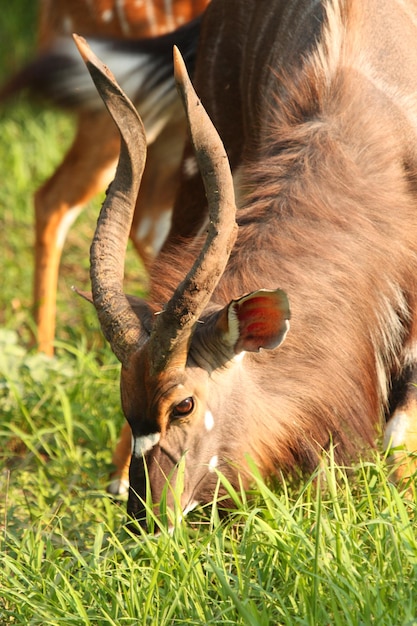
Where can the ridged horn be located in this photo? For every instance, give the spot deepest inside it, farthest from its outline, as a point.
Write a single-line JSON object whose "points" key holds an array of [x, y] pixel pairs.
{"points": [[173, 327], [119, 324]]}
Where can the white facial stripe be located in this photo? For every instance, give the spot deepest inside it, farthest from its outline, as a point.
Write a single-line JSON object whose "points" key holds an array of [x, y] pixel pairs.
{"points": [[142, 445], [214, 461], [208, 421]]}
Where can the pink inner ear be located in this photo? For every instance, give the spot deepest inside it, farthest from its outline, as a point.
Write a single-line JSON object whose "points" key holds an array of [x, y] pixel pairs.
{"points": [[263, 320]]}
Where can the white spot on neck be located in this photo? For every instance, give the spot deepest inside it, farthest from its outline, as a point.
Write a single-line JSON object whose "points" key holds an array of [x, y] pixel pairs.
{"points": [[208, 421], [214, 461], [142, 445]]}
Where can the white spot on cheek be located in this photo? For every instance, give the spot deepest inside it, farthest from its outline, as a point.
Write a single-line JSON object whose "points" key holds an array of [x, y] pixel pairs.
{"points": [[208, 421], [214, 461], [142, 445]]}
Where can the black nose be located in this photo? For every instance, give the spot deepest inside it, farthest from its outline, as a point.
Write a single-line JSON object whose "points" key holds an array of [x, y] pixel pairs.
{"points": [[137, 494], [136, 511]]}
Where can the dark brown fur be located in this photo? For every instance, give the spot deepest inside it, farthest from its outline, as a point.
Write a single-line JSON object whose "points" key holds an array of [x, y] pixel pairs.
{"points": [[326, 198], [315, 105]]}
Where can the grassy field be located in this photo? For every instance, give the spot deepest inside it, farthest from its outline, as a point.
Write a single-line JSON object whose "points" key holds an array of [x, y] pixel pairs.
{"points": [[343, 554]]}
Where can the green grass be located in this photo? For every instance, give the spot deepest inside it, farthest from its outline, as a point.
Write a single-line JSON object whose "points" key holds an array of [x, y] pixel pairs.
{"points": [[330, 550]]}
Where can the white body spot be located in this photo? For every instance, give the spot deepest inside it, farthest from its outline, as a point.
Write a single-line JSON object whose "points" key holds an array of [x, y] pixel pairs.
{"points": [[107, 15], [142, 445]]}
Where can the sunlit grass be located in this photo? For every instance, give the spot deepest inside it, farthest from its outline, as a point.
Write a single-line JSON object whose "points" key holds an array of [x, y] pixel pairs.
{"points": [[331, 550], [336, 549]]}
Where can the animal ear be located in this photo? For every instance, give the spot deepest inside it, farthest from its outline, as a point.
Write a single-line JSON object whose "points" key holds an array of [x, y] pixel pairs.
{"points": [[258, 320]]}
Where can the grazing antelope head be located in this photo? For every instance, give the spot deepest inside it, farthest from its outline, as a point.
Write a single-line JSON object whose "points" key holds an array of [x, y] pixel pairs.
{"points": [[322, 139], [171, 359]]}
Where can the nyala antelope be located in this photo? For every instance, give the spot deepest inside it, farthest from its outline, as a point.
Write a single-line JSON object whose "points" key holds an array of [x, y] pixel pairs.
{"points": [[316, 107], [135, 39]]}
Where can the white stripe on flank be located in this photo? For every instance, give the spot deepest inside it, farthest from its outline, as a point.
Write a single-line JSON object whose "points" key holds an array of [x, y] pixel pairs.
{"points": [[121, 14], [142, 445], [150, 14], [169, 15]]}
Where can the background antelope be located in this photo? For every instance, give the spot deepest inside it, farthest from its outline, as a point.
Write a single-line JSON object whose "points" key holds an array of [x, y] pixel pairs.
{"points": [[317, 110], [89, 165]]}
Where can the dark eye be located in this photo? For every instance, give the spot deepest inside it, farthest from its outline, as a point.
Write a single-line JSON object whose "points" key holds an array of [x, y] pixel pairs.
{"points": [[183, 408]]}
